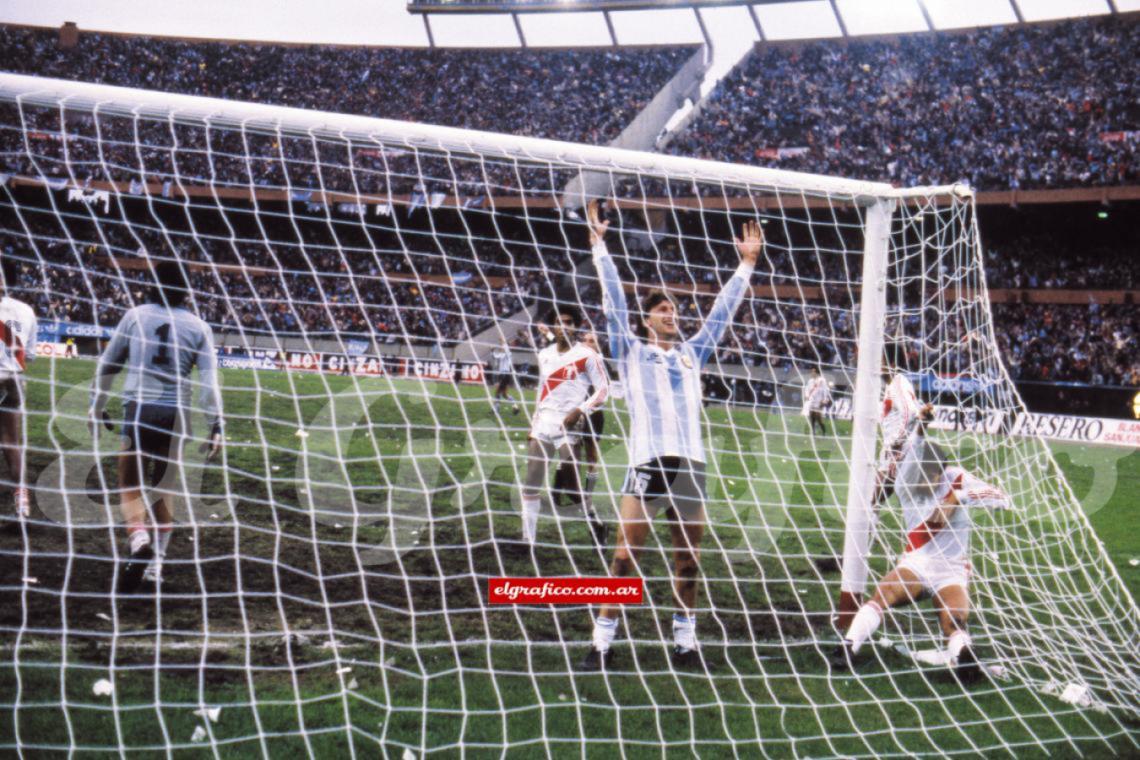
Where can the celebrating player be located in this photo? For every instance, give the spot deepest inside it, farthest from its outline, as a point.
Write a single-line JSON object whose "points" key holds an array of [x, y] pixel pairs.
{"points": [[817, 397], [936, 499], [504, 373], [566, 371], [17, 348], [662, 379], [159, 343]]}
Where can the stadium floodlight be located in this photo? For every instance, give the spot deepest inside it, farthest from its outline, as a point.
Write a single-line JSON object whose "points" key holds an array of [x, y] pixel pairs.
{"points": [[327, 587]]}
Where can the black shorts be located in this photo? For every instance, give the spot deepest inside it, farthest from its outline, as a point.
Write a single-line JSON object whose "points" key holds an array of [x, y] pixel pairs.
{"points": [[594, 425], [150, 428], [12, 393], [503, 380], [669, 483]]}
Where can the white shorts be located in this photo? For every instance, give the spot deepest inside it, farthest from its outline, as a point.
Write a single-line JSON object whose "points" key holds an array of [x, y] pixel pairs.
{"points": [[935, 572], [547, 428]]}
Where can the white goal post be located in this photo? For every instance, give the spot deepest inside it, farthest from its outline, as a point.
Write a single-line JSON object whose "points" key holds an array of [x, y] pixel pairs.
{"points": [[357, 274]]}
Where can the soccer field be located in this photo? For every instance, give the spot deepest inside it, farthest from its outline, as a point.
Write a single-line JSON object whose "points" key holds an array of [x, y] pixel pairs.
{"points": [[364, 516]]}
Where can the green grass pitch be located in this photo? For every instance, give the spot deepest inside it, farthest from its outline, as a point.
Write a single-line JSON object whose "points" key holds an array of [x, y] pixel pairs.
{"points": [[364, 515]]}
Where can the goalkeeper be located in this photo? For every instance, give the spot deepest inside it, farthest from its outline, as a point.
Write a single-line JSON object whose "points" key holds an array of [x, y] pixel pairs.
{"points": [[159, 343], [936, 499], [662, 380]]}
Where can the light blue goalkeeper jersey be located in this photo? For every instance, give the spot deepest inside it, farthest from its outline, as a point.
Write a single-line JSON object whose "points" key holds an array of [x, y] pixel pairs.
{"points": [[160, 346]]}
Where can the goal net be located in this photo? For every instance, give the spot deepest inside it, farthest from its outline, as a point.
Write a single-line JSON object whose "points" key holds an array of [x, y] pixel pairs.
{"points": [[326, 585]]}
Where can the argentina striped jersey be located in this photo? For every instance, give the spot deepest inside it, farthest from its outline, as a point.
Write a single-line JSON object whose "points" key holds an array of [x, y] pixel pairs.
{"points": [[663, 388]]}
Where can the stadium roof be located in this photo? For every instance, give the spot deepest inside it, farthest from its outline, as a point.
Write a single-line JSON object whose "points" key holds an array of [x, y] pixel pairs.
{"points": [[387, 22]]}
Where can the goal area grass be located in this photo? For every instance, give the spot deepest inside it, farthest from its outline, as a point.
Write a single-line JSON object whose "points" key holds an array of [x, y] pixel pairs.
{"points": [[327, 592]]}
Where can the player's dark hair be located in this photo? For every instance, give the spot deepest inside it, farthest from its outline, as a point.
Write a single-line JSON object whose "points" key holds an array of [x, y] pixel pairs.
{"points": [[10, 267], [173, 285], [934, 463], [894, 353], [556, 314]]}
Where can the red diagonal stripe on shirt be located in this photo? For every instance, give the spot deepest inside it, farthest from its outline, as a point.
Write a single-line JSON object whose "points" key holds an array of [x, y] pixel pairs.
{"points": [[561, 375], [12, 341]]}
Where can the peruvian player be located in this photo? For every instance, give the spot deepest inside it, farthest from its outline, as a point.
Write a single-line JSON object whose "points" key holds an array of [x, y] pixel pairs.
{"points": [[17, 348], [936, 498], [899, 418], [817, 397], [567, 370]]}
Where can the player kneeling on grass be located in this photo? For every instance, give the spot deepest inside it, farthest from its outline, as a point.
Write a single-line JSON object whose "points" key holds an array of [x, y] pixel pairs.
{"points": [[661, 374], [936, 499], [159, 343], [567, 371]]}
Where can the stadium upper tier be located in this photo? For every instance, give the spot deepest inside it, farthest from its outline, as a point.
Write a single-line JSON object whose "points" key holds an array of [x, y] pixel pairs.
{"points": [[1005, 107], [580, 95], [1001, 108]]}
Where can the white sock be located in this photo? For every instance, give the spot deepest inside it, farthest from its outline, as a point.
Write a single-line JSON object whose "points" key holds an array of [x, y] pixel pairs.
{"points": [[685, 631], [138, 539], [604, 630], [530, 519], [867, 619], [164, 540], [959, 640]]}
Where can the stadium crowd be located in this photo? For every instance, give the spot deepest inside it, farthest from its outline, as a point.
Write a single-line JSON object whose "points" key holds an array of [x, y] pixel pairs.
{"points": [[1037, 106], [580, 95], [1019, 263], [394, 300], [1050, 111]]}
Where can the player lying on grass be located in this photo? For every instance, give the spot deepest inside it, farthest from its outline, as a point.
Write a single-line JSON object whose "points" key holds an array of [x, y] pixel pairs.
{"points": [[567, 370], [159, 344], [567, 480], [936, 498], [17, 348], [661, 375], [817, 397]]}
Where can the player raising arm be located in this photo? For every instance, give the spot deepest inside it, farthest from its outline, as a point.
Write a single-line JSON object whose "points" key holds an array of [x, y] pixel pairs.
{"points": [[567, 370], [936, 499], [17, 348], [662, 380], [159, 344]]}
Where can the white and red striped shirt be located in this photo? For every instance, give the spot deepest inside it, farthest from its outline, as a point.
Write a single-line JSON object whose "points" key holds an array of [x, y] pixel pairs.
{"points": [[900, 411], [565, 378], [17, 336], [949, 540]]}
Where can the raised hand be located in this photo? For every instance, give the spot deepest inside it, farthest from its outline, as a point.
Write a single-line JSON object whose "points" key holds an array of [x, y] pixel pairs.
{"points": [[598, 227], [750, 243]]}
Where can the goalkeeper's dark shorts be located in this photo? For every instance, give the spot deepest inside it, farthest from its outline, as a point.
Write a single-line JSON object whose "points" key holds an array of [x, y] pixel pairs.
{"points": [[150, 429], [668, 483]]}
